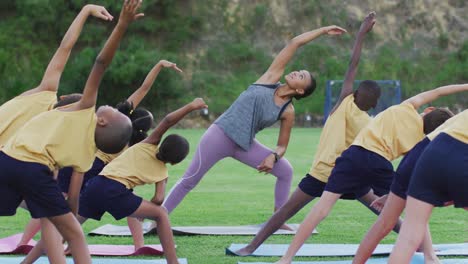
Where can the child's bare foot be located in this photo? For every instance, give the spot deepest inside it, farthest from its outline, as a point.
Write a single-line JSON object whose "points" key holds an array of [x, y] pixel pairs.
{"points": [[245, 251], [432, 260], [286, 227]]}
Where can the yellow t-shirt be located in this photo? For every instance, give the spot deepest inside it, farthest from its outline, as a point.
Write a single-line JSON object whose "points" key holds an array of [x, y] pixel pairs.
{"points": [[456, 127], [393, 132], [106, 157], [19, 110], [57, 139], [341, 128], [138, 165]]}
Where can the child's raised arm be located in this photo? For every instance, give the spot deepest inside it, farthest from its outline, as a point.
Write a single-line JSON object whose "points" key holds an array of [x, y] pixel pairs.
{"points": [[431, 95], [50, 80], [127, 15], [141, 92], [276, 69], [173, 118], [347, 88]]}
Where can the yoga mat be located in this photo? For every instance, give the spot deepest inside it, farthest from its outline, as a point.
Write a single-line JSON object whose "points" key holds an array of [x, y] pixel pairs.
{"points": [[125, 250], [8, 246], [341, 250], [115, 230], [44, 260], [417, 259]]}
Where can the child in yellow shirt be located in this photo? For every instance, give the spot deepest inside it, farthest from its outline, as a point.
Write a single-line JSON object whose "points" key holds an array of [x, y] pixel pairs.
{"points": [[44, 143], [143, 163], [365, 165], [435, 182]]}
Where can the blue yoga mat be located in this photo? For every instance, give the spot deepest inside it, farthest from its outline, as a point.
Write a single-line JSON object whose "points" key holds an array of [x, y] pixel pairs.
{"points": [[417, 259], [44, 260], [341, 250]]}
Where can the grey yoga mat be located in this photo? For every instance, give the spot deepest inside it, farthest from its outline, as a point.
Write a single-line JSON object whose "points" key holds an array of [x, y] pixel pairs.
{"points": [[341, 250], [417, 259], [115, 230], [44, 260]]}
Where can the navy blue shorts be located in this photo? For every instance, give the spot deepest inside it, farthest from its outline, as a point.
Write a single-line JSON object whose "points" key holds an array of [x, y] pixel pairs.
{"points": [[441, 174], [64, 175], [105, 195], [359, 170], [32, 182], [405, 169], [314, 187]]}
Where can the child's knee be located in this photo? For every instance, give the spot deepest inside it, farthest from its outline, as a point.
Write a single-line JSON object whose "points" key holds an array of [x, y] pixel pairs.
{"points": [[386, 225]]}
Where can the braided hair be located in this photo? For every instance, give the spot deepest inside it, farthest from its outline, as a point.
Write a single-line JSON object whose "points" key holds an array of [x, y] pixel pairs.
{"points": [[142, 120]]}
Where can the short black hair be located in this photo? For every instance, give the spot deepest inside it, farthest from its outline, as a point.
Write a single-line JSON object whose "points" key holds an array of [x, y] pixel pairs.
{"points": [[68, 99], [370, 86], [367, 95], [308, 90], [435, 118], [173, 149]]}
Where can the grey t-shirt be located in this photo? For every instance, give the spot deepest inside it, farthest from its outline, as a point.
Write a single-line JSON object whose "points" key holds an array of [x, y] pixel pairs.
{"points": [[253, 110]]}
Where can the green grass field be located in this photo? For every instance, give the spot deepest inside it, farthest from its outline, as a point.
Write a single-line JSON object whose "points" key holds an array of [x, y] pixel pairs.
{"points": [[234, 194]]}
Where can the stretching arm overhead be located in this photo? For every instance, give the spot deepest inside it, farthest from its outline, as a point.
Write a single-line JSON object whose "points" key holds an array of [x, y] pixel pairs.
{"points": [[431, 95], [51, 79], [127, 15], [347, 88], [276, 69], [173, 118], [141, 92]]}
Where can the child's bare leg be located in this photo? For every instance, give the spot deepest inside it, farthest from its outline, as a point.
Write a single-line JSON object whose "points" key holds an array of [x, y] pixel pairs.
{"points": [[159, 214], [37, 251], [52, 241], [412, 232], [316, 215], [71, 230], [430, 256], [384, 224], [295, 203], [137, 232], [31, 229]]}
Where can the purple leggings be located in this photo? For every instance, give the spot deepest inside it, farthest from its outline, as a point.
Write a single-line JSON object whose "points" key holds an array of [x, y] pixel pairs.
{"points": [[215, 146]]}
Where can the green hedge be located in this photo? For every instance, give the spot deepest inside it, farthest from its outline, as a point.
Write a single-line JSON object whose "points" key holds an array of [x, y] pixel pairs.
{"points": [[221, 47]]}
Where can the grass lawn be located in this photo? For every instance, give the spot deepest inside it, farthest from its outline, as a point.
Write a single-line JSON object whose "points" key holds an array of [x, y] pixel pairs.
{"points": [[234, 194]]}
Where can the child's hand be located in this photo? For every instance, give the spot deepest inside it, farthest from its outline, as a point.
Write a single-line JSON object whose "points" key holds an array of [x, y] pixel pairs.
{"points": [[198, 103], [99, 12], [379, 203], [129, 11], [168, 64], [333, 30]]}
